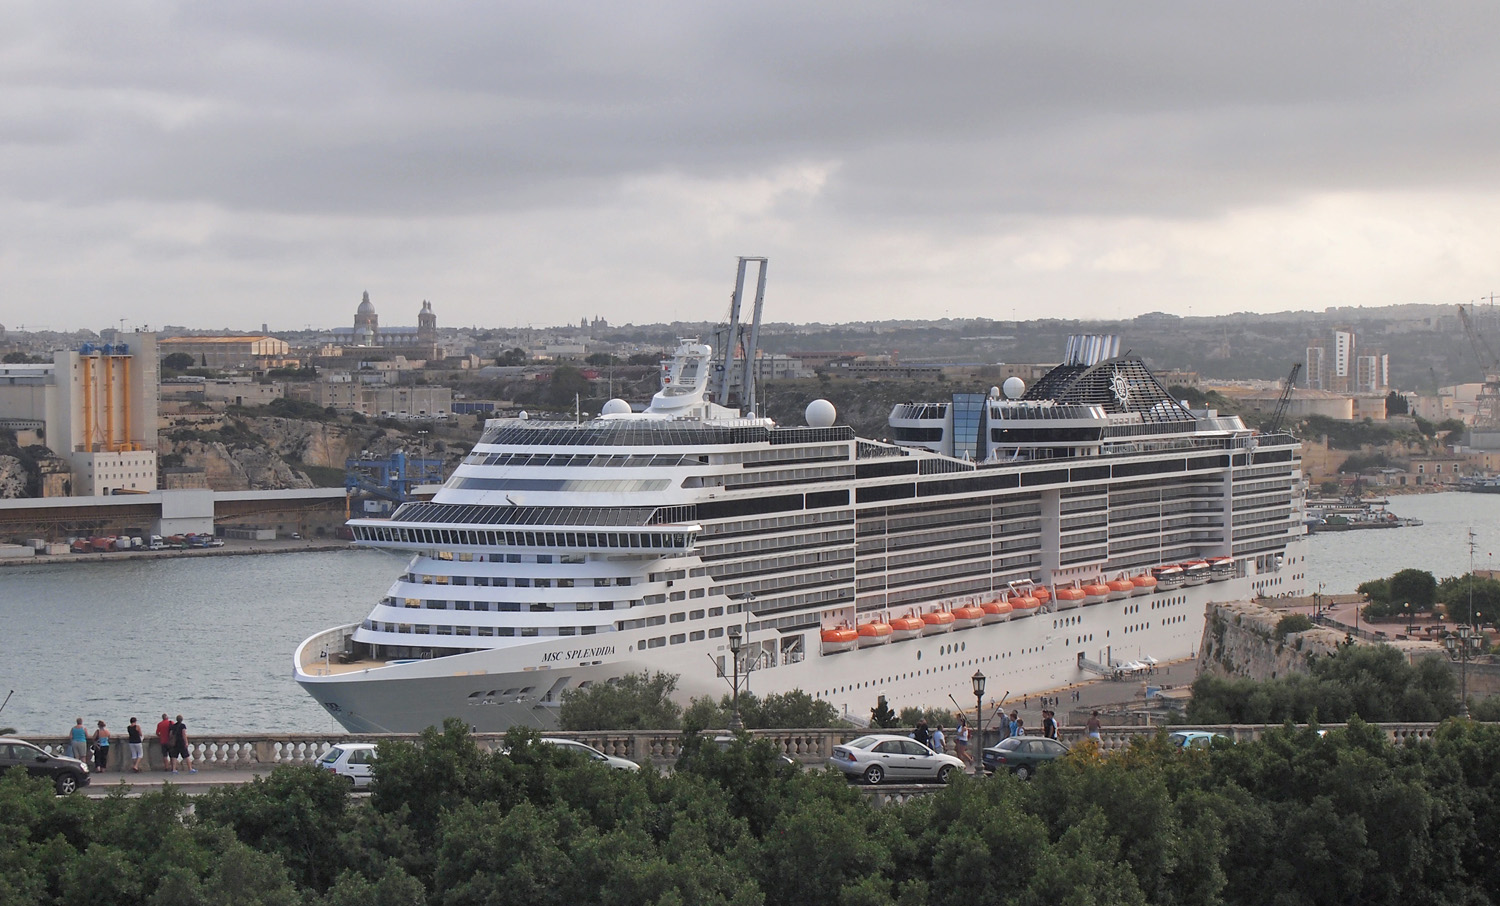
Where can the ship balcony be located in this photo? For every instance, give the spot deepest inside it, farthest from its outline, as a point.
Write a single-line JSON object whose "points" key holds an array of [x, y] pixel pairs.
{"points": [[655, 540]]}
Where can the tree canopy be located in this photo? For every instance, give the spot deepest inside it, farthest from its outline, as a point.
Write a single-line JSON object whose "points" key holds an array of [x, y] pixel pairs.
{"points": [[1295, 818]]}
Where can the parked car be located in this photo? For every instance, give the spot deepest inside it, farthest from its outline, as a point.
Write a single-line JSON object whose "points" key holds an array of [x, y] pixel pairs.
{"points": [[67, 774], [1195, 739], [353, 761], [1022, 755], [880, 757], [591, 753]]}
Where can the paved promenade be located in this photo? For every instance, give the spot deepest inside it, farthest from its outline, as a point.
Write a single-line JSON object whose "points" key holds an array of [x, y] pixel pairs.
{"points": [[154, 781]]}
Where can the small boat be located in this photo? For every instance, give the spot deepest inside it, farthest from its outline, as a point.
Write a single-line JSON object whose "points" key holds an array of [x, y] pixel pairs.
{"points": [[1168, 578], [1068, 598], [1041, 593], [936, 621], [968, 616], [1024, 606], [875, 632], [839, 638], [1220, 569], [907, 627], [1144, 584], [1120, 588], [1195, 572], [996, 611], [1095, 593]]}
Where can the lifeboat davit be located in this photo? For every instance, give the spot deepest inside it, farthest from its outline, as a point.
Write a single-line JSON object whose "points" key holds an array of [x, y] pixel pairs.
{"points": [[967, 616], [1024, 606], [839, 638], [1144, 584], [1095, 593], [1068, 598], [907, 627], [936, 621], [875, 632], [1195, 572], [1120, 588], [996, 611]]}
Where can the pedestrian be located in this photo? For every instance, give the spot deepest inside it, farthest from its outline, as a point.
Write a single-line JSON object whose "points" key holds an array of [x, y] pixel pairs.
{"points": [[78, 741], [1020, 728], [1049, 725], [961, 741], [936, 739], [920, 734], [101, 747], [180, 746], [1093, 726], [1015, 723], [137, 746], [164, 737]]}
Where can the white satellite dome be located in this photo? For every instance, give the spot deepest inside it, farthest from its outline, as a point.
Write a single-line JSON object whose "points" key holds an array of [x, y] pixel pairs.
{"points": [[820, 413], [1014, 388], [523, 416], [615, 407], [994, 393]]}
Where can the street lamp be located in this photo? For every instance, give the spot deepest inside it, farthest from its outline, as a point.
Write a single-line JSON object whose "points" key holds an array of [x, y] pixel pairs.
{"points": [[977, 746], [1460, 644], [734, 652]]}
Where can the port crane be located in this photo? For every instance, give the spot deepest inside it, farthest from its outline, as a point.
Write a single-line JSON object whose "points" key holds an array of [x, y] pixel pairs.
{"points": [[1278, 416], [1487, 406]]}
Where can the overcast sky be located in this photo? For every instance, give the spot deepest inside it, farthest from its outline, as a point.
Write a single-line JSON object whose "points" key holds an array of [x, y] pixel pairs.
{"points": [[228, 164]]}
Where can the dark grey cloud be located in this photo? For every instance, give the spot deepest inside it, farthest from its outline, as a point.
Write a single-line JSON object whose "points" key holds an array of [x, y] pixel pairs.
{"points": [[324, 128]]}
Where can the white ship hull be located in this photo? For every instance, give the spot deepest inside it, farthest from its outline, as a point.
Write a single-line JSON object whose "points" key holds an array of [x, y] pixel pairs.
{"points": [[562, 555]]}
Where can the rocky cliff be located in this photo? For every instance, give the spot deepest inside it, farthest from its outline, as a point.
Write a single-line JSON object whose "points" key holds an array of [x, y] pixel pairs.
{"points": [[270, 453], [1239, 639]]}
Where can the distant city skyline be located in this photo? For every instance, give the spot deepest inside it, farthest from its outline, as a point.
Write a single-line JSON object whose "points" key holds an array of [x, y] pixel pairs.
{"points": [[224, 167]]}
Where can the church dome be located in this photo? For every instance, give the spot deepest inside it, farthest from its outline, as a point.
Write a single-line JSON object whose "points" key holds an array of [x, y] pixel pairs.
{"points": [[365, 307]]}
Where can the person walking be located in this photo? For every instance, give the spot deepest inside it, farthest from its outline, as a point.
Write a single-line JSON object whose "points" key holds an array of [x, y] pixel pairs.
{"points": [[164, 738], [1093, 726], [1049, 725], [936, 739], [180, 746], [137, 746], [78, 741], [961, 741], [101, 747], [921, 734]]}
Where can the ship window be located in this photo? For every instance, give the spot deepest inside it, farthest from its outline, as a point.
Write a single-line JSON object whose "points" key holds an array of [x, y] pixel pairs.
{"points": [[528, 631], [508, 606], [586, 630], [423, 630], [657, 642], [695, 593], [584, 605], [565, 630], [482, 580], [715, 633], [696, 636], [656, 620], [443, 630], [679, 638], [601, 583], [460, 605], [505, 630], [523, 583], [606, 605], [716, 611], [678, 595], [481, 605], [695, 615], [545, 558], [678, 617], [541, 608]]}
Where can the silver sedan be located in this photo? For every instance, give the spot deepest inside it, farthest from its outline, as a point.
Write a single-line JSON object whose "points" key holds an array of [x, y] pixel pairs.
{"points": [[878, 758]]}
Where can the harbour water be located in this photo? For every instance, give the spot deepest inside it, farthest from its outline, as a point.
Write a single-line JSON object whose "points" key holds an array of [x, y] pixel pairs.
{"points": [[212, 638]]}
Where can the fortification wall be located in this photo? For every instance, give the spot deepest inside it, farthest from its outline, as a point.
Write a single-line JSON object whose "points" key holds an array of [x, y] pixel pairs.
{"points": [[1239, 639]]}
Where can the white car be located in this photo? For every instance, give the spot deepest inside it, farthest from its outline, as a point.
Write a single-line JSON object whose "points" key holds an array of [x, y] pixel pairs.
{"points": [[354, 761], [591, 753], [879, 757]]}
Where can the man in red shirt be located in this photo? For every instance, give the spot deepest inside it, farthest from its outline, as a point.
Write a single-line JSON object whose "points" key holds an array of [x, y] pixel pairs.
{"points": [[164, 736]]}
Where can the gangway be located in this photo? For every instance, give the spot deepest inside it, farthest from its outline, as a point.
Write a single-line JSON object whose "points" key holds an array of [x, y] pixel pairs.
{"points": [[392, 479]]}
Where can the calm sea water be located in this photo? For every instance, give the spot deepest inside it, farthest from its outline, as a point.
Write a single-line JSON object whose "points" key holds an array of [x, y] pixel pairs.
{"points": [[212, 638]]}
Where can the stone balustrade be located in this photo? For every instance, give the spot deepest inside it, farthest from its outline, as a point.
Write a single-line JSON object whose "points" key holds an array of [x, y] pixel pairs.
{"points": [[657, 748]]}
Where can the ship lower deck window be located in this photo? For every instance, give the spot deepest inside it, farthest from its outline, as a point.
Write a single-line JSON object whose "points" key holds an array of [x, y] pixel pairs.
{"points": [[679, 638], [528, 631], [481, 605], [657, 642], [716, 633], [486, 630], [678, 617], [716, 611], [587, 630], [565, 630], [696, 636]]}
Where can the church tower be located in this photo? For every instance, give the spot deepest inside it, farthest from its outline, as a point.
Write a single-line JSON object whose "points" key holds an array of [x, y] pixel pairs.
{"points": [[427, 331], [366, 323]]}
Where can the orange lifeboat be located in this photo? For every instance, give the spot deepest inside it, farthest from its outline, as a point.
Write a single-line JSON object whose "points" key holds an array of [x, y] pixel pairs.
{"points": [[936, 621], [907, 627], [1024, 606], [875, 632], [1120, 588], [839, 638], [1042, 594], [1095, 593], [1144, 584], [967, 616], [996, 611], [1068, 598]]}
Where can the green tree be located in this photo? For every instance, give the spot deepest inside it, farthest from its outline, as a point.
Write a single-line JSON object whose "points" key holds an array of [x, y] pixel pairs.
{"points": [[1395, 404], [178, 361], [1414, 586], [882, 716], [566, 385], [636, 701], [511, 358], [1455, 593], [1293, 622]]}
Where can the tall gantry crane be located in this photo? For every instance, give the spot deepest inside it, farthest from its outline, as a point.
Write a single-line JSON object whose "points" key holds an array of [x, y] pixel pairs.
{"points": [[1487, 405], [1277, 417]]}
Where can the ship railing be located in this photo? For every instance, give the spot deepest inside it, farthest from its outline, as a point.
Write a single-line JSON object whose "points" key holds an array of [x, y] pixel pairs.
{"points": [[657, 748]]}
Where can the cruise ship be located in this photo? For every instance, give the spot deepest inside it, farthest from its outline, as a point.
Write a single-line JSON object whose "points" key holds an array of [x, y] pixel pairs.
{"points": [[1042, 535]]}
